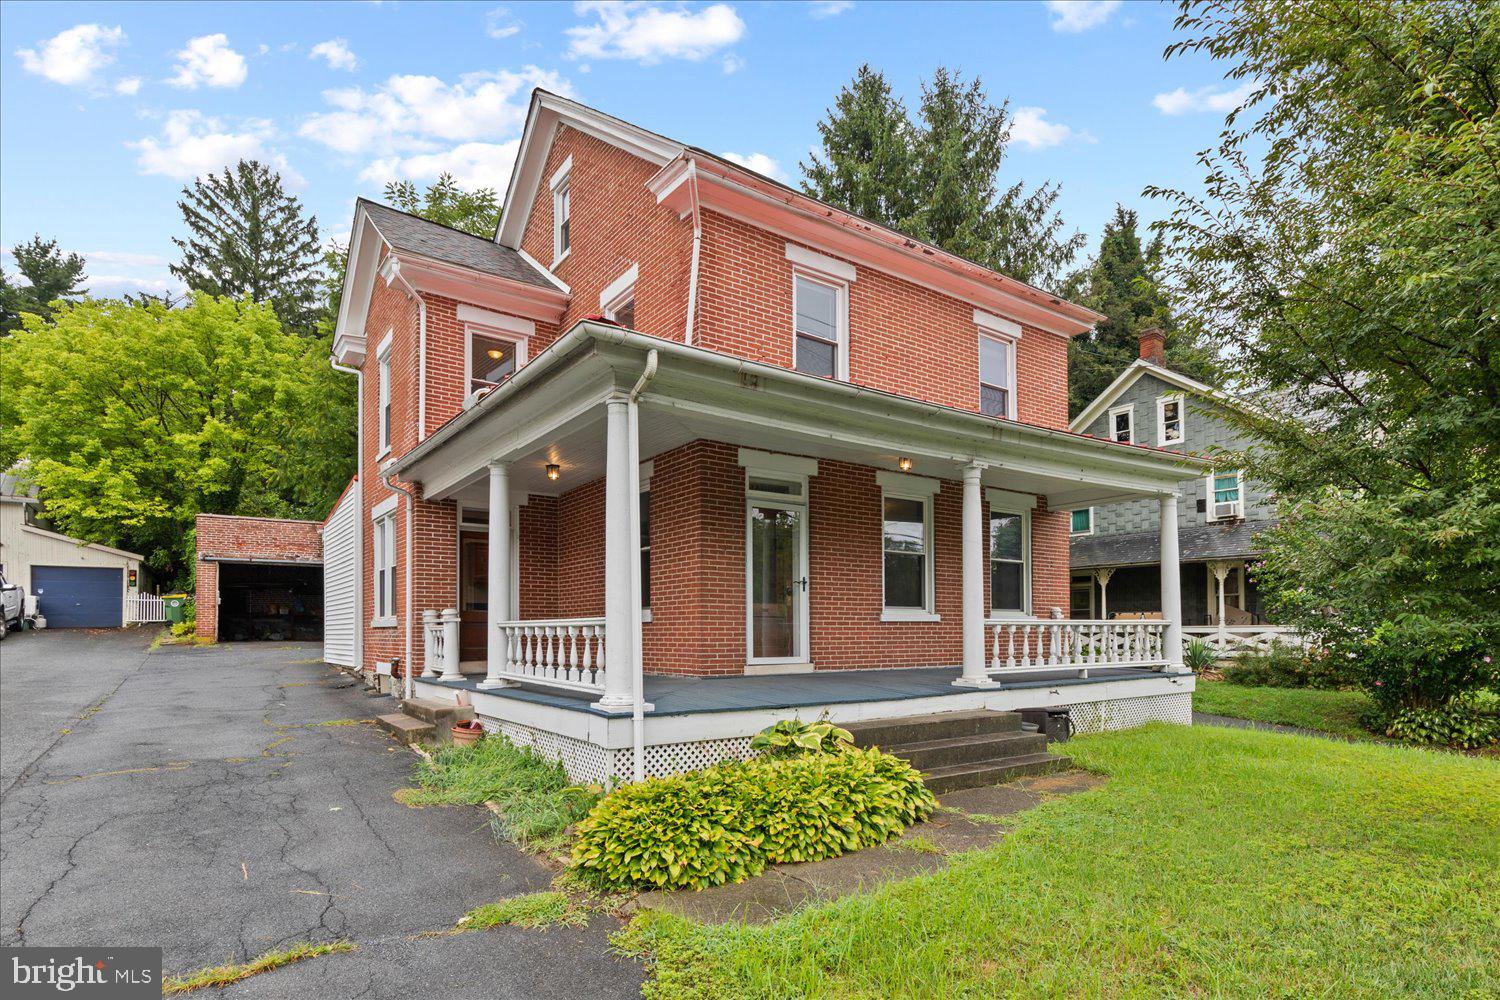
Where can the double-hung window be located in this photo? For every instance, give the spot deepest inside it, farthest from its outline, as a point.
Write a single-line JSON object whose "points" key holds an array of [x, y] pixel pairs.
{"points": [[384, 542], [1010, 559], [1226, 496], [496, 345], [1122, 424], [906, 544], [383, 392], [1082, 522], [562, 211], [617, 301], [997, 364], [1171, 427], [819, 306]]}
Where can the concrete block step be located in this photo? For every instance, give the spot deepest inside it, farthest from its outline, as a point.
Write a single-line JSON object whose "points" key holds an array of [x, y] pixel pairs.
{"points": [[952, 777], [968, 749], [439, 713], [939, 726], [405, 728]]}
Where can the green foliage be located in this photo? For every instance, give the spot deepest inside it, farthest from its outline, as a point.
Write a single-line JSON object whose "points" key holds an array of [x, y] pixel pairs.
{"points": [[444, 202], [534, 910], [50, 275], [135, 419], [1338, 713], [248, 237], [793, 736], [727, 823], [1199, 656], [189, 623], [225, 975], [536, 802], [937, 178], [1288, 665], [1343, 260], [1457, 724], [1407, 663]]}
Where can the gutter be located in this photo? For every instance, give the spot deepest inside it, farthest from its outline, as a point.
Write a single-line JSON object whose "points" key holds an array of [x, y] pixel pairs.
{"points": [[690, 326]]}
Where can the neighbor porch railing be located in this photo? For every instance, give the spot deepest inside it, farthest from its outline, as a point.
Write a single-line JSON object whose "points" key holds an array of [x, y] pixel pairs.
{"points": [[560, 652], [1231, 639], [145, 608], [1074, 644]]}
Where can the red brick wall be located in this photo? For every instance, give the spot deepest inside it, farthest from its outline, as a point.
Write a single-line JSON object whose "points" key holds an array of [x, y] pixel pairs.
{"points": [[580, 551], [226, 537]]}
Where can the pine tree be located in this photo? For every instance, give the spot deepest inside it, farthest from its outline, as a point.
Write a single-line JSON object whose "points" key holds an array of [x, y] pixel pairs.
{"points": [[444, 202], [248, 237], [50, 275], [867, 164]]}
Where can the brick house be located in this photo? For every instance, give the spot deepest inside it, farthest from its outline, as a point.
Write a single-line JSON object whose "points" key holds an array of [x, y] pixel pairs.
{"points": [[682, 451]]}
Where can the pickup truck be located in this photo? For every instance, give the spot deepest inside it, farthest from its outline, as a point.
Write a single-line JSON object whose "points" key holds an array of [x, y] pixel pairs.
{"points": [[12, 606]]}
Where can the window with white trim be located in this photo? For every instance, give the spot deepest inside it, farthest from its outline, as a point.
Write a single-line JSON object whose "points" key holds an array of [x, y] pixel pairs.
{"points": [[1122, 424], [1226, 496], [617, 301], [562, 211], [1171, 426], [383, 393], [821, 319], [385, 566], [906, 546], [1082, 521], [492, 358], [646, 549], [1010, 557], [997, 376]]}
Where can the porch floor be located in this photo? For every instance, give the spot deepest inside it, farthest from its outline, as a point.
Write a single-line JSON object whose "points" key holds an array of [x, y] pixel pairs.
{"points": [[673, 695]]}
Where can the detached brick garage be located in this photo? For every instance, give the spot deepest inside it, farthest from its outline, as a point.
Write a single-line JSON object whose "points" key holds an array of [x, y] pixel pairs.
{"points": [[259, 578]]}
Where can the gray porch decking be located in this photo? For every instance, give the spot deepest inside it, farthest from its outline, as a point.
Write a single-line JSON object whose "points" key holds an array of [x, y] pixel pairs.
{"points": [[672, 695]]}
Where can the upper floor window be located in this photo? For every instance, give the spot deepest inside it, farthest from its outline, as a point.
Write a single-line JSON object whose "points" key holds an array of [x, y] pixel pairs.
{"points": [[997, 364], [819, 308], [617, 301], [562, 211], [495, 345], [1122, 424], [1171, 427], [1082, 522], [1226, 496], [383, 392]]}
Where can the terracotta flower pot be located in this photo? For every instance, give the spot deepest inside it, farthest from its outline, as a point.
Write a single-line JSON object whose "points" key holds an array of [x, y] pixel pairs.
{"points": [[463, 734]]}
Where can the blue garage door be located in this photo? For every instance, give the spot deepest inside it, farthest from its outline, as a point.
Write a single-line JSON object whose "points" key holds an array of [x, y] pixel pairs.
{"points": [[78, 596]]}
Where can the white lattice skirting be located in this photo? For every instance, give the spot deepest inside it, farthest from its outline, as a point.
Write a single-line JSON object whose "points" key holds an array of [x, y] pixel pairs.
{"points": [[1126, 713], [590, 763]]}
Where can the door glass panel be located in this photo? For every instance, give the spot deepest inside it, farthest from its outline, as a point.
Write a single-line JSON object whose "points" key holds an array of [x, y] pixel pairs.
{"points": [[474, 575], [775, 536]]}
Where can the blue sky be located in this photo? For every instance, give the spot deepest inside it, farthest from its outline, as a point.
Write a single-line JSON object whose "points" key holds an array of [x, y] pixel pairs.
{"points": [[107, 109]]}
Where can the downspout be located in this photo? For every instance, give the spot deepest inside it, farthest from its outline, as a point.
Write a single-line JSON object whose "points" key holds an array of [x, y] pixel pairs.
{"points": [[407, 684], [421, 352], [359, 514], [637, 679], [690, 326]]}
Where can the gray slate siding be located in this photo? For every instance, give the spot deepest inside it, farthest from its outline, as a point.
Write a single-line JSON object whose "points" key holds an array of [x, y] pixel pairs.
{"points": [[1207, 431]]}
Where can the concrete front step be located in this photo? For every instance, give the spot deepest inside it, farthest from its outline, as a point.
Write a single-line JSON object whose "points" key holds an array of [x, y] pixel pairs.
{"points": [[930, 754], [939, 726], [439, 713], [405, 728], [952, 777]]}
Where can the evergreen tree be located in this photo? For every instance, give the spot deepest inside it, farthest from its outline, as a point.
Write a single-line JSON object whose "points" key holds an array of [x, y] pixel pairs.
{"points": [[444, 202], [50, 275], [248, 237], [943, 186]]}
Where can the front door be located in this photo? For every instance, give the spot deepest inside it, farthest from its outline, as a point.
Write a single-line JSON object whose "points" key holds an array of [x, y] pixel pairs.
{"points": [[776, 549], [473, 590]]}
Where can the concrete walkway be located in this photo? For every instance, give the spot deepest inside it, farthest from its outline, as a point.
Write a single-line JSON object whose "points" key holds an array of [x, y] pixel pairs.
{"points": [[221, 802]]}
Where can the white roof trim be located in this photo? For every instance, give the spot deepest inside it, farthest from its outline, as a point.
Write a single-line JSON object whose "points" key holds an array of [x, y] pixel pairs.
{"points": [[96, 546], [822, 263], [1131, 374], [475, 316], [561, 285]]}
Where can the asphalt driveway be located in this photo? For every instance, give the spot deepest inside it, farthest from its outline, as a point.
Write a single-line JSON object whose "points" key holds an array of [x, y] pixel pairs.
{"points": [[198, 800]]}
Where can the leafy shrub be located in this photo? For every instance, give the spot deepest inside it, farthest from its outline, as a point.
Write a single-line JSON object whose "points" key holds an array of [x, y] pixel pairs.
{"points": [[189, 623], [727, 823], [533, 794], [1286, 665], [793, 736], [1458, 724], [1199, 656], [1414, 663]]}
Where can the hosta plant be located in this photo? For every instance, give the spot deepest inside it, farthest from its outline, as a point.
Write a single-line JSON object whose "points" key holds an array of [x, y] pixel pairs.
{"points": [[793, 736]]}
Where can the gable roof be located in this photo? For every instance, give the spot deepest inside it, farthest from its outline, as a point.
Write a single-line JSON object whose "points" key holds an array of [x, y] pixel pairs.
{"points": [[1133, 374], [415, 234]]}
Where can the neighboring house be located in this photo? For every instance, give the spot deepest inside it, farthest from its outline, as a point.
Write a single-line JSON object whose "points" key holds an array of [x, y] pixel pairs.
{"points": [[684, 441], [77, 584], [1115, 547]]}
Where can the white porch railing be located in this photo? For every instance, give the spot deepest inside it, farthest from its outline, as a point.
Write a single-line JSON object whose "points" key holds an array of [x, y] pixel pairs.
{"points": [[1232, 639], [1074, 644], [145, 608], [560, 652]]}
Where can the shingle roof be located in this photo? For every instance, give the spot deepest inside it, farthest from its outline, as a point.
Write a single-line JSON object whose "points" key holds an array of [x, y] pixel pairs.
{"points": [[1198, 544], [452, 246]]}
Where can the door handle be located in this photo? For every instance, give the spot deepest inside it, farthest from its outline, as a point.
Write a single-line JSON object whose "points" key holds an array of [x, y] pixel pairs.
{"points": [[803, 582]]}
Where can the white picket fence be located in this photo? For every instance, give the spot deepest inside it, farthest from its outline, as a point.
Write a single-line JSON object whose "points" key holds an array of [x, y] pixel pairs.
{"points": [[145, 608]]}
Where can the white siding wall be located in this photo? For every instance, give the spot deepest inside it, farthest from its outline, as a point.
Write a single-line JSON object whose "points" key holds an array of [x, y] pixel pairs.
{"points": [[23, 546], [341, 582]]}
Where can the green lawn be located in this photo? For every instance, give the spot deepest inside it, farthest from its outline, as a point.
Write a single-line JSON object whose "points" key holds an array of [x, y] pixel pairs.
{"points": [[1335, 712], [1214, 862]]}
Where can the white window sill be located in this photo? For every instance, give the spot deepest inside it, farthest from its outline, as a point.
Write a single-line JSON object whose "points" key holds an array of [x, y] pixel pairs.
{"points": [[383, 622], [768, 669], [559, 259], [908, 615], [645, 614], [382, 453]]}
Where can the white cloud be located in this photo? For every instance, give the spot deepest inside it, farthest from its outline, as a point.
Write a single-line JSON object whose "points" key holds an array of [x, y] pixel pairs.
{"points": [[733, 63], [472, 164], [122, 258], [192, 144], [1182, 101], [1072, 16], [500, 23], [209, 61], [648, 33], [73, 57], [1031, 129], [830, 8], [128, 87], [418, 114], [336, 53], [758, 162]]}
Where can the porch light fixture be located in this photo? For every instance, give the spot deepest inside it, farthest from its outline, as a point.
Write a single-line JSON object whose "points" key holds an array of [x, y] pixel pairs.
{"points": [[553, 470], [904, 463]]}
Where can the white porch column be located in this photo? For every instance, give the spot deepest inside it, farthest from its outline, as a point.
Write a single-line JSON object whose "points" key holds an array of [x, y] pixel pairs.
{"points": [[497, 584], [619, 618], [973, 562], [1221, 571], [1171, 583]]}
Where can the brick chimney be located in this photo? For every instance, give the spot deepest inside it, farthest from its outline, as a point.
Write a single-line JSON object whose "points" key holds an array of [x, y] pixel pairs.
{"points": [[1154, 346]]}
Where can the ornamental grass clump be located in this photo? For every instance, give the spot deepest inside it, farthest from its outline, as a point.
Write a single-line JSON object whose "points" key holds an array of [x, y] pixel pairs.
{"points": [[725, 824]]}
